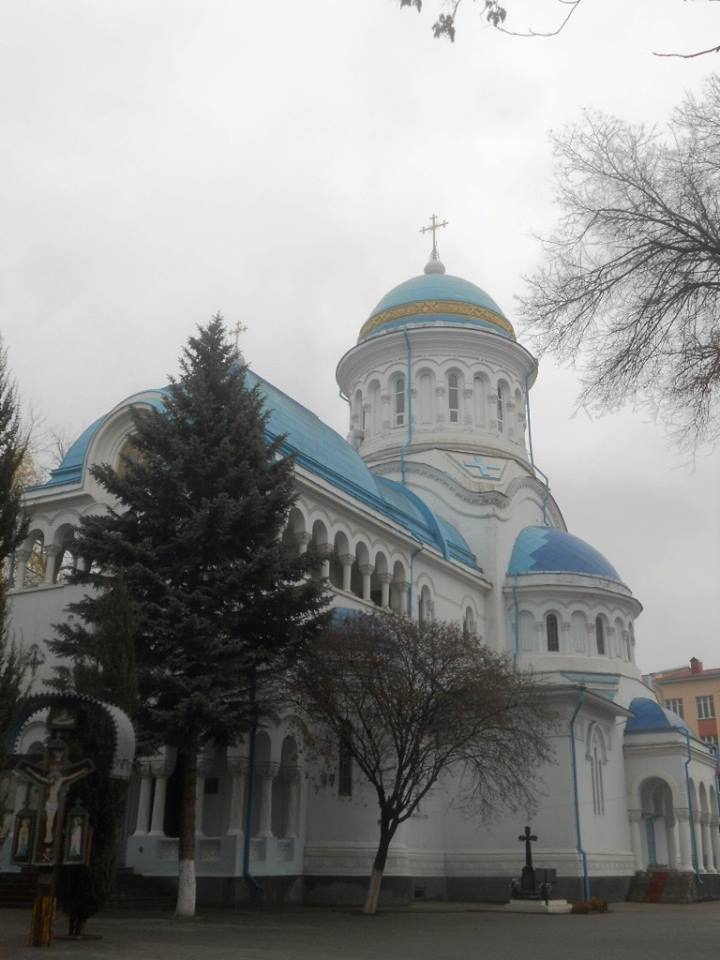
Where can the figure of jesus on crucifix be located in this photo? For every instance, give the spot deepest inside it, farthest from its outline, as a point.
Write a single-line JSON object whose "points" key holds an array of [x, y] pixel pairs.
{"points": [[54, 778]]}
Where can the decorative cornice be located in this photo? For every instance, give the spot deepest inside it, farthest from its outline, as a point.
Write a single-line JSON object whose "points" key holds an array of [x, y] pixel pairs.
{"points": [[426, 307], [490, 498]]}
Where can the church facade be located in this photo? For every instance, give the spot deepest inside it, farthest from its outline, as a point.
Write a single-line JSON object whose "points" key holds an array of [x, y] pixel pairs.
{"points": [[433, 507]]}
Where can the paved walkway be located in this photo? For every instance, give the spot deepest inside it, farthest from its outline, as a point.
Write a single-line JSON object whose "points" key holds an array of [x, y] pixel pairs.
{"points": [[445, 932]]}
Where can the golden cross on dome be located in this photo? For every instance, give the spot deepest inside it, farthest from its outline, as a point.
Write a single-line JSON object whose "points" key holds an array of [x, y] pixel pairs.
{"points": [[435, 225]]}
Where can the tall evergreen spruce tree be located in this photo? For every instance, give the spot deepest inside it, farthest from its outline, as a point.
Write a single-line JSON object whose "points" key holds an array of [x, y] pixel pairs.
{"points": [[13, 529], [196, 536]]}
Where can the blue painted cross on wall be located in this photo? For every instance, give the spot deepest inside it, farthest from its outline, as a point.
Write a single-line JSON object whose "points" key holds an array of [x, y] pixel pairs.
{"points": [[486, 470]]}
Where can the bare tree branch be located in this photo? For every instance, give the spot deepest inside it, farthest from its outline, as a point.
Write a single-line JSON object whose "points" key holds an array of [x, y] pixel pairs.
{"points": [[573, 4], [630, 284], [689, 56], [496, 12]]}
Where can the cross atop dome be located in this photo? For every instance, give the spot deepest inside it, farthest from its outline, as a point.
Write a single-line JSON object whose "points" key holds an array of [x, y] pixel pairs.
{"points": [[434, 264]]}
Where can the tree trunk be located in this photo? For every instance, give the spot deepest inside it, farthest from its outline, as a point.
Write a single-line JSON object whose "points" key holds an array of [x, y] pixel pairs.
{"points": [[373, 894], [185, 906]]}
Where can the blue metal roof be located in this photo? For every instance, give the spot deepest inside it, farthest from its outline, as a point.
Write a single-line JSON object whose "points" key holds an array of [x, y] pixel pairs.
{"points": [[70, 470], [71, 467], [436, 286], [424, 292], [649, 716], [320, 450], [549, 550]]}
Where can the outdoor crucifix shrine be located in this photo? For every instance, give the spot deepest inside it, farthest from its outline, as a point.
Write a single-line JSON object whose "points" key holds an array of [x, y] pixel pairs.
{"points": [[51, 833], [534, 885]]}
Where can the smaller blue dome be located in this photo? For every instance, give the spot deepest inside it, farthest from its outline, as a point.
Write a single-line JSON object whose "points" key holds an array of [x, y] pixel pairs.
{"points": [[549, 550], [649, 716]]}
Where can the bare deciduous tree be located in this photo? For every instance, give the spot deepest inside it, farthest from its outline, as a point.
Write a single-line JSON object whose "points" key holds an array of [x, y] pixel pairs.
{"points": [[630, 285], [418, 706]]}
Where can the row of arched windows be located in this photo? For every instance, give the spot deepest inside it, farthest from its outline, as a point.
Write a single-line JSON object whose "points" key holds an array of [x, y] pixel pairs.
{"points": [[575, 633], [481, 405], [624, 634]]}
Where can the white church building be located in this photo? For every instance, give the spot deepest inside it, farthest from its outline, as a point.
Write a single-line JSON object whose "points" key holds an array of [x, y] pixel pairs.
{"points": [[432, 506]]}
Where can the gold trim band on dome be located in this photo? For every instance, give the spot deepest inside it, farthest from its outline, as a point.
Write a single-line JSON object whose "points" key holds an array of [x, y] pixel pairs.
{"points": [[456, 307]]}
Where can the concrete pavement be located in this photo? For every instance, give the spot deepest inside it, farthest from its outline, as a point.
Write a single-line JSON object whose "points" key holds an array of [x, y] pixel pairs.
{"points": [[435, 932]]}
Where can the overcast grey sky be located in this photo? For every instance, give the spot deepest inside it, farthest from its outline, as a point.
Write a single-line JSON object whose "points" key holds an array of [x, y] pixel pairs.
{"points": [[163, 160]]}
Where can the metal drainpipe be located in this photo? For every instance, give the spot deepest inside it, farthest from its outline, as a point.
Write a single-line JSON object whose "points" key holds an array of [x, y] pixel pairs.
{"points": [[532, 455], [579, 846], [691, 812], [408, 388], [247, 876]]}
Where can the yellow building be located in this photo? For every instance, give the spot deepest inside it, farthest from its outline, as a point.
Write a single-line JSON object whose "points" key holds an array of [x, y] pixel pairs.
{"points": [[692, 692]]}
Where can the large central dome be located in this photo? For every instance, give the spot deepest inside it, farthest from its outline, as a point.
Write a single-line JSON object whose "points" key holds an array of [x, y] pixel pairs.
{"points": [[436, 298]]}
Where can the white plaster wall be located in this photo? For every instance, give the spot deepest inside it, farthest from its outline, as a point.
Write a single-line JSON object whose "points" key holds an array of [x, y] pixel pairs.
{"points": [[32, 613]]}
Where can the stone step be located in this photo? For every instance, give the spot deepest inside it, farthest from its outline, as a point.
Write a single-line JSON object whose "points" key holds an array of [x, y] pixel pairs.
{"points": [[663, 886]]}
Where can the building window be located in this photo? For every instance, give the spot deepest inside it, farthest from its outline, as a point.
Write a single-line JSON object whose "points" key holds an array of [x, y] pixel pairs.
{"points": [[500, 410], [676, 705], [424, 607], [399, 399], [345, 769], [600, 636], [705, 707], [596, 756], [454, 398], [710, 738], [551, 629]]}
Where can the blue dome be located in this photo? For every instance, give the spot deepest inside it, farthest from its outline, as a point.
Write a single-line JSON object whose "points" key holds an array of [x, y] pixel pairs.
{"points": [[436, 298], [549, 550], [320, 450], [650, 716]]}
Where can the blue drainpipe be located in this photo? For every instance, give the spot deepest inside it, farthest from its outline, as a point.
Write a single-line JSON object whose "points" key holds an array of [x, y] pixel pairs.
{"points": [[579, 846], [408, 389]]}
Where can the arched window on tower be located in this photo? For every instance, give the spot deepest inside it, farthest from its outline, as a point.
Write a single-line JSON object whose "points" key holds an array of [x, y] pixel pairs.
{"points": [[356, 412], [399, 401], [453, 397], [600, 636], [480, 394], [551, 631], [500, 410]]}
